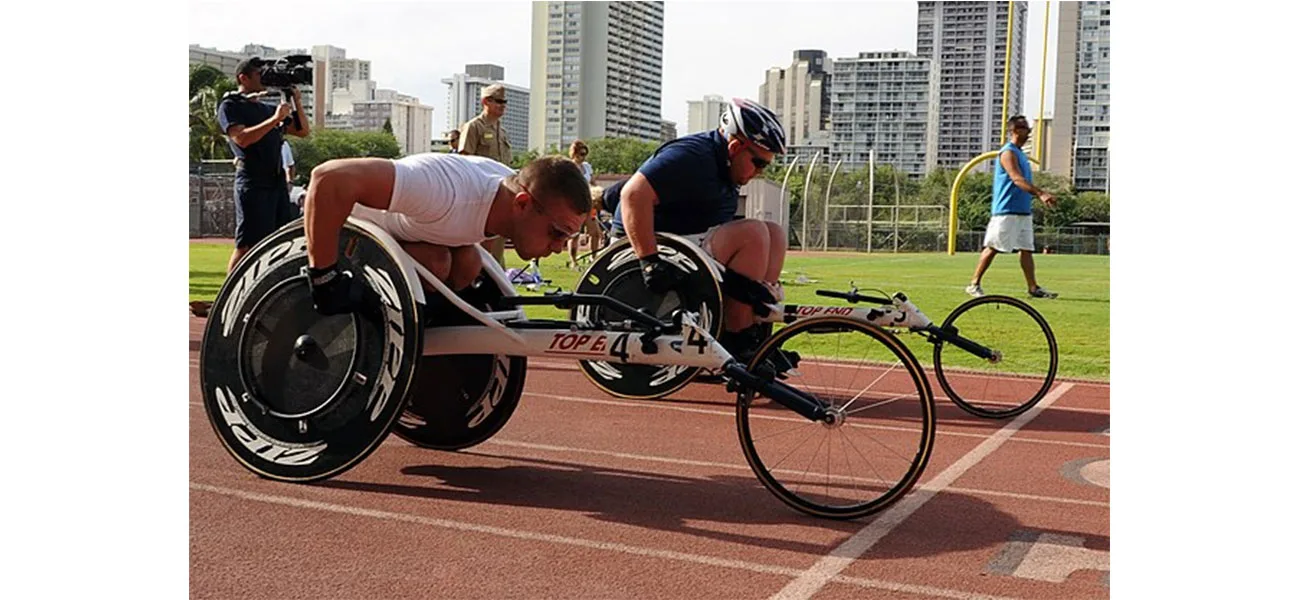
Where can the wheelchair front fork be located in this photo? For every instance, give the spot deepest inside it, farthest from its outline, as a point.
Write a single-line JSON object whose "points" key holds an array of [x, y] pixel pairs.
{"points": [[788, 396]]}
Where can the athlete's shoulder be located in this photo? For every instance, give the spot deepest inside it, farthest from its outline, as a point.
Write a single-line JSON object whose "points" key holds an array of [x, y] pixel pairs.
{"points": [[688, 148]]}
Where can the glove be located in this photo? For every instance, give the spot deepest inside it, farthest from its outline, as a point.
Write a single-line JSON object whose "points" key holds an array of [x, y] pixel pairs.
{"points": [[334, 292], [660, 276]]}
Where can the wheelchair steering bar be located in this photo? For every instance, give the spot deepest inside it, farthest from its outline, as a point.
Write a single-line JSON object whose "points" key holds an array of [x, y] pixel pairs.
{"points": [[569, 300], [854, 297]]}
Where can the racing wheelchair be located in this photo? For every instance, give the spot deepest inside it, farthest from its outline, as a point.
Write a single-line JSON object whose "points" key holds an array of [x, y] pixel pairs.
{"points": [[994, 356], [296, 396]]}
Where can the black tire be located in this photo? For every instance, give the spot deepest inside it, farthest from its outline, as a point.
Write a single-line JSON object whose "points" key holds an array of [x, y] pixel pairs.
{"points": [[449, 394], [1026, 367], [616, 273], [296, 396], [898, 434], [461, 400]]}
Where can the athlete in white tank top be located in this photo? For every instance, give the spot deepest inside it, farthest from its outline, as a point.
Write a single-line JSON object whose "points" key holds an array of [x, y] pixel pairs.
{"points": [[439, 198]]}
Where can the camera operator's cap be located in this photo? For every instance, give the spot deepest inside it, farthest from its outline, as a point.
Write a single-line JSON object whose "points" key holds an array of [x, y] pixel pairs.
{"points": [[495, 90], [248, 65]]}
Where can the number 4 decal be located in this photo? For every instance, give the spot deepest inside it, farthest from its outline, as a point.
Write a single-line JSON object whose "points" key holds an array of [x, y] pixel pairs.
{"points": [[693, 338], [619, 348]]}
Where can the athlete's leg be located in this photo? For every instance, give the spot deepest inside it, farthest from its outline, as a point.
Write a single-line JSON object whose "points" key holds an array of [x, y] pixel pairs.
{"points": [[778, 244], [744, 246], [465, 267], [435, 258]]}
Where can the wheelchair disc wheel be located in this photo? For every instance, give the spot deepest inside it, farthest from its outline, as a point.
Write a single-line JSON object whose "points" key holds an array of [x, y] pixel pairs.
{"points": [[880, 435], [1025, 367]]}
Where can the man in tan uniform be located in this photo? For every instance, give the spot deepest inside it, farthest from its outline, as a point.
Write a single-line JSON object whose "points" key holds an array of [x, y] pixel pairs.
{"points": [[484, 136]]}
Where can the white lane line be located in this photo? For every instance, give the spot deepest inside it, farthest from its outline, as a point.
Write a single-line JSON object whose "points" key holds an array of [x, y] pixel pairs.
{"points": [[731, 414], [825, 570], [572, 541], [745, 467]]}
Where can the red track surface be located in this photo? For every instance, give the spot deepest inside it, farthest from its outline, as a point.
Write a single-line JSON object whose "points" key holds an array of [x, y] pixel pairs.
{"points": [[583, 495]]}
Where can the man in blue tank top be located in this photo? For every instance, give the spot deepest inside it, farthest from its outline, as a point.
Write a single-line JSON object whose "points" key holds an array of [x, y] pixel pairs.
{"points": [[1011, 228]]}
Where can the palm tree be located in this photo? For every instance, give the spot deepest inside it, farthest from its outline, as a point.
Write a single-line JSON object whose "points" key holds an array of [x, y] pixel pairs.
{"points": [[207, 86]]}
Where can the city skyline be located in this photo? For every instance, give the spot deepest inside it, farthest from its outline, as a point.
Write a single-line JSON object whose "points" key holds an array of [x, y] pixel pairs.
{"points": [[414, 53]]}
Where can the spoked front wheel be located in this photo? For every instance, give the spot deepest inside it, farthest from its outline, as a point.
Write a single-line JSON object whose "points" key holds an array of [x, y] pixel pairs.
{"points": [[874, 444], [1022, 370]]}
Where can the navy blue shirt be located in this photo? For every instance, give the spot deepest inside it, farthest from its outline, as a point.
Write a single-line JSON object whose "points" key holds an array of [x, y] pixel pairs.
{"points": [[262, 158], [692, 177]]}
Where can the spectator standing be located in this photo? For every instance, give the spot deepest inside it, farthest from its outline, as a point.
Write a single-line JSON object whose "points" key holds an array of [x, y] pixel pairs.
{"points": [[256, 134], [1011, 227], [484, 136], [578, 153]]}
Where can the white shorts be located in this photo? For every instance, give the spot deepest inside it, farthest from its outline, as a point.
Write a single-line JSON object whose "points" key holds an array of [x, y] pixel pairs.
{"points": [[1009, 233]]}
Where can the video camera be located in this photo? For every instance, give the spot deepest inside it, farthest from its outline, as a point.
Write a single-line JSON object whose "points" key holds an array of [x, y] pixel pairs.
{"points": [[287, 71]]}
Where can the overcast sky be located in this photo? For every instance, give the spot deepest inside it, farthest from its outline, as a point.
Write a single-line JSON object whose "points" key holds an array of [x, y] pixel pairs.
{"points": [[709, 47]]}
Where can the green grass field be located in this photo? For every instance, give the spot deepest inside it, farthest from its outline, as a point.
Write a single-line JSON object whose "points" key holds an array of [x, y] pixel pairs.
{"points": [[1080, 318]]}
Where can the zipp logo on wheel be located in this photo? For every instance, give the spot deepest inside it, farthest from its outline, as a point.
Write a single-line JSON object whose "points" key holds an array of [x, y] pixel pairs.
{"points": [[295, 395]]}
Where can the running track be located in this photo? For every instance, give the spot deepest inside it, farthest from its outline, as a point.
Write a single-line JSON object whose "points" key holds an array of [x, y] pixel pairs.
{"points": [[582, 495]]}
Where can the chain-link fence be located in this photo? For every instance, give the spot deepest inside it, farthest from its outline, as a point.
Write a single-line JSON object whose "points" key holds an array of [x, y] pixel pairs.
{"points": [[901, 237], [212, 199], [883, 228]]}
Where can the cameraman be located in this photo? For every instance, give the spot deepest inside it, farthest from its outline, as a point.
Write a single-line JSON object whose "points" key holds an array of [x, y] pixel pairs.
{"points": [[256, 132]]}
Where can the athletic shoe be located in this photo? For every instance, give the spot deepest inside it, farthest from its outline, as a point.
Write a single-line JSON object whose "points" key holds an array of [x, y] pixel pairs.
{"points": [[975, 290], [200, 308], [1039, 292]]}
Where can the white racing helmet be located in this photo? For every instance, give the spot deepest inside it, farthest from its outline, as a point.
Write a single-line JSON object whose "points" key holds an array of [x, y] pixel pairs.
{"points": [[754, 122]]}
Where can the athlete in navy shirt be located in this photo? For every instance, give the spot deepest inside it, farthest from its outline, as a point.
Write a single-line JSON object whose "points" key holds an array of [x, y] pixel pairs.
{"points": [[691, 187], [256, 132], [692, 177]]}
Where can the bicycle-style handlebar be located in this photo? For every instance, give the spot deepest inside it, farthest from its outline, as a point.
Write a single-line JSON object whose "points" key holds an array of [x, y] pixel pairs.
{"points": [[569, 300], [854, 297]]}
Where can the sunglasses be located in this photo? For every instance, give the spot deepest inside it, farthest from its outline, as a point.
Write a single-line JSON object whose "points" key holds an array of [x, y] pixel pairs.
{"points": [[502, 102], [759, 164], [553, 231]]}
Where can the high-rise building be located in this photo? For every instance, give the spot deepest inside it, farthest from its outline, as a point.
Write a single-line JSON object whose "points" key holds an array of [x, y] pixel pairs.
{"points": [[333, 70], [800, 95], [597, 70], [411, 121], [668, 131], [464, 101], [486, 71], [887, 102], [969, 41], [703, 115], [1080, 144]]}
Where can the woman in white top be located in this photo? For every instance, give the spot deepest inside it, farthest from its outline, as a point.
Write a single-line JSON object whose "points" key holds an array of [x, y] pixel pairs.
{"points": [[578, 152]]}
